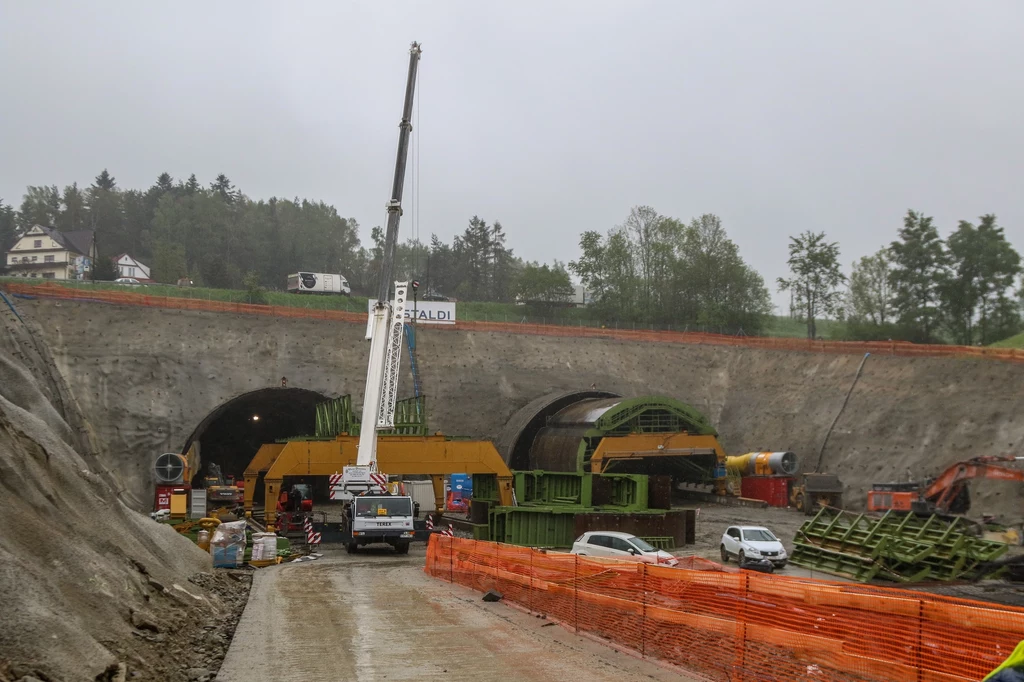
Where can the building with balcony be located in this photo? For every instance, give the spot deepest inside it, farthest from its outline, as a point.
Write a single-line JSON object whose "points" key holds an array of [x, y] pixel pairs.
{"points": [[46, 253]]}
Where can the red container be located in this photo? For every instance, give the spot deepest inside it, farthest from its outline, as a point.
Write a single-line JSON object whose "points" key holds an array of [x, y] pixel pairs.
{"points": [[772, 489], [163, 496]]}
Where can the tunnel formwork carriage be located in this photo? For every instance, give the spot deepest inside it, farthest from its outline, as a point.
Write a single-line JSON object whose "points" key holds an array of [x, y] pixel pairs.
{"points": [[593, 432]]}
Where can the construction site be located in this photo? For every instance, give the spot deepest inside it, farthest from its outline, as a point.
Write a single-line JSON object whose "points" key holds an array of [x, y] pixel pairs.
{"points": [[237, 494]]}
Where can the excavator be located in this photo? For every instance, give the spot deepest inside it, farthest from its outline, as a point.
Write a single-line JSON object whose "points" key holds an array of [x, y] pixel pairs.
{"points": [[221, 490], [947, 493]]}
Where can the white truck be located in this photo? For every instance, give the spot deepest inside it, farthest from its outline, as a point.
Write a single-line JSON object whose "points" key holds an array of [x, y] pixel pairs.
{"points": [[318, 283], [374, 519]]}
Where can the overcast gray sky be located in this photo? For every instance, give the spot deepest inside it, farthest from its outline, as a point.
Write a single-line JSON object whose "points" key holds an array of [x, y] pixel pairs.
{"points": [[553, 118]]}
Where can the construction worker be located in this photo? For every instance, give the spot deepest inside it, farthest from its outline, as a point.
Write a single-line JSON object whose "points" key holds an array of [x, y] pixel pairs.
{"points": [[1010, 670]]}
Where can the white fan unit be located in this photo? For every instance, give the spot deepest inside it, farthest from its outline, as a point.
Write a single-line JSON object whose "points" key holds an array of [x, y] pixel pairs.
{"points": [[169, 469]]}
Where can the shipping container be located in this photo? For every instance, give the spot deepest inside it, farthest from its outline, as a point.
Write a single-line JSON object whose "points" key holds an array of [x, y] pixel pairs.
{"points": [[772, 489], [318, 283]]}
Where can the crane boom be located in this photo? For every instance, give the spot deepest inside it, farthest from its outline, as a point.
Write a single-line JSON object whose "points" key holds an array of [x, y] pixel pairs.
{"points": [[385, 325]]}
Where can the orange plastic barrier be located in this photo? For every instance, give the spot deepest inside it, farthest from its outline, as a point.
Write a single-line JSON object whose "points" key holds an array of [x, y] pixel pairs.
{"points": [[739, 625], [900, 348]]}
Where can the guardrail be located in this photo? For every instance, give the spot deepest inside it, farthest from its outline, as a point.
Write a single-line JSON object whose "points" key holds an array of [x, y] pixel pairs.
{"points": [[896, 348], [738, 625]]}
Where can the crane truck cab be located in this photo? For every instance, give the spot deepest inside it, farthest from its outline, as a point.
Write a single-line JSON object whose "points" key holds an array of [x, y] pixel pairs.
{"points": [[376, 518]]}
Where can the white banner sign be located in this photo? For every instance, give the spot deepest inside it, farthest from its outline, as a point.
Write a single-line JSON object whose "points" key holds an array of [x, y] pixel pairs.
{"points": [[427, 312]]}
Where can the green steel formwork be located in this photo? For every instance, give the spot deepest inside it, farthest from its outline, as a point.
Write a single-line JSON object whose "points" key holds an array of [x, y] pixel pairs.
{"points": [[896, 546], [485, 488], [628, 492], [548, 502], [551, 488], [621, 492], [653, 414], [533, 526], [481, 531], [559, 526], [410, 417], [335, 417]]}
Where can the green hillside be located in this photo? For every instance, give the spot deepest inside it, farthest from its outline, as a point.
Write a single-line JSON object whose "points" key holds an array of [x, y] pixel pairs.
{"points": [[1012, 342]]}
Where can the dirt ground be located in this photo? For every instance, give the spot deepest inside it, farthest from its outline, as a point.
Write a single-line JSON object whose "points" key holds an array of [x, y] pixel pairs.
{"points": [[377, 616]]}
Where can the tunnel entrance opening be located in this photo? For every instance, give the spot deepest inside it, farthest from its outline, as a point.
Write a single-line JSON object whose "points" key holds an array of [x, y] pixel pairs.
{"points": [[231, 434]]}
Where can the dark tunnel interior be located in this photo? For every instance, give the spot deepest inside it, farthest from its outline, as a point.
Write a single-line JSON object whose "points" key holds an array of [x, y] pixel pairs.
{"points": [[232, 433]]}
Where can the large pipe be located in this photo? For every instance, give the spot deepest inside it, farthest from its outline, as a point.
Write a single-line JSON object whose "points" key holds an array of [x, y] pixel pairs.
{"points": [[762, 464]]}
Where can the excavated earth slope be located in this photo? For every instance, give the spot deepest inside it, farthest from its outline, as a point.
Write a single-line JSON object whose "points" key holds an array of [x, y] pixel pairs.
{"points": [[145, 378], [89, 589]]}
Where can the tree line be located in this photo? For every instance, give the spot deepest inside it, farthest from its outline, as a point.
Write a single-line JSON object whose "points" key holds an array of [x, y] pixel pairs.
{"points": [[219, 237], [919, 288], [651, 269], [654, 269]]}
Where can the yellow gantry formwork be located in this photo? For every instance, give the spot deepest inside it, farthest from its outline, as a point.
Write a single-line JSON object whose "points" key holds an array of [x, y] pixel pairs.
{"points": [[435, 456], [639, 446]]}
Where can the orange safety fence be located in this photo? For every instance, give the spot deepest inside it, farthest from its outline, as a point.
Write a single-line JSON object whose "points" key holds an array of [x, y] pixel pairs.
{"points": [[740, 625], [899, 348]]}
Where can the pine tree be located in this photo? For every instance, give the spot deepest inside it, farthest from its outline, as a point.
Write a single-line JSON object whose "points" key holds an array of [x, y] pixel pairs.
{"points": [[918, 265]]}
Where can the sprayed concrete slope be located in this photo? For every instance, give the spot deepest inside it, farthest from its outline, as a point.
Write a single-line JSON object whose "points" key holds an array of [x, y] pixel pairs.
{"points": [[145, 378]]}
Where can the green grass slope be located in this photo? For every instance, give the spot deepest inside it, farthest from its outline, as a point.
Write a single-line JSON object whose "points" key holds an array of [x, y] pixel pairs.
{"points": [[1012, 342]]}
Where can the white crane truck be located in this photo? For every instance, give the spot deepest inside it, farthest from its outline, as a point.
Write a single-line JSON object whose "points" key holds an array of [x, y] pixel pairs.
{"points": [[373, 515]]}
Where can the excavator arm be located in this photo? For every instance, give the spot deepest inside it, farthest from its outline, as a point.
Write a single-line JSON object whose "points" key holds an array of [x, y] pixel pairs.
{"points": [[950, 484]]}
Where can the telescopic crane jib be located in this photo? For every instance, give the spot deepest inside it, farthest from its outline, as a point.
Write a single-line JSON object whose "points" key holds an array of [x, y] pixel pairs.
{"points": [[384, 327]]}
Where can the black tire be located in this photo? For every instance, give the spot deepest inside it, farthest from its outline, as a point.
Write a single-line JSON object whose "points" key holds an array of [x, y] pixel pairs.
{"points": [[351, 547], [402, 548], [725, 554], [780, 565], [741, 558]]}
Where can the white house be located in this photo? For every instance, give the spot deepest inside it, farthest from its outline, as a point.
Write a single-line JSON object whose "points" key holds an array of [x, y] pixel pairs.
{"points": [[46, 253], [129, 267]]}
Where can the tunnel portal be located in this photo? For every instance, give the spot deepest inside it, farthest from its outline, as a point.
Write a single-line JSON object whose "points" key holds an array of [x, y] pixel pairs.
{"points": [[232, 433]]}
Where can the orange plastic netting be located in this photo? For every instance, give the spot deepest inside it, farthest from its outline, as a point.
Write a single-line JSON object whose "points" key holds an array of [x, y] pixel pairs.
{"points": [[766, 343], [738, 625]]}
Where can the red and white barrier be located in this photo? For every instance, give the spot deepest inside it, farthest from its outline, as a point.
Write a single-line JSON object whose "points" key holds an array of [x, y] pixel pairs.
{"points": [[312, 537], [334, 483]]}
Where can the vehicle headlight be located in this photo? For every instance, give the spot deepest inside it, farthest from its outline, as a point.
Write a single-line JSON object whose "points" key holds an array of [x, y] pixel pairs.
{"points": [[753, 551], [782, 552]]}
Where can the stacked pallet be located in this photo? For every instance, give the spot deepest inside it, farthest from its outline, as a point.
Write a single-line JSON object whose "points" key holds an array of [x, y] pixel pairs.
{"points": [[898, 546]]}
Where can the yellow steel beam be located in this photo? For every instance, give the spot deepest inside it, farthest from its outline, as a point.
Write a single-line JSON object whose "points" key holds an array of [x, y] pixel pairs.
{"points": [[435, 456], [264, 457], [644, 445]]}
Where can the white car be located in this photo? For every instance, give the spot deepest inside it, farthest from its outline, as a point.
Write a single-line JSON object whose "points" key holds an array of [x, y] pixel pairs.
{"points": [[131, 281], [621, 546], [753, 542]]}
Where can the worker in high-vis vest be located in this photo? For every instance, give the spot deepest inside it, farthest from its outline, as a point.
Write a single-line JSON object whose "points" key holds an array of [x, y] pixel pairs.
{"points": [[1010, 670]]}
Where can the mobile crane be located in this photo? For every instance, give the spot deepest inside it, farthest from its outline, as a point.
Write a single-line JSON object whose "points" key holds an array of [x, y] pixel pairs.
{"points": [[373, 515]]}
